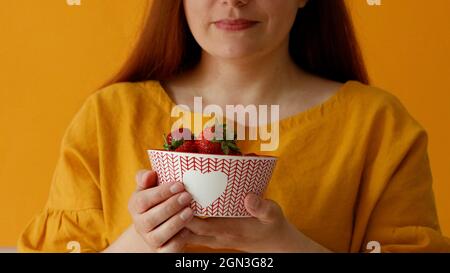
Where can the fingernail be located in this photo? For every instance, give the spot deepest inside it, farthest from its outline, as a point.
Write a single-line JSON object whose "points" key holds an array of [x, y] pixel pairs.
{"points": [[186, 214], [177, 187], [184, 198]]}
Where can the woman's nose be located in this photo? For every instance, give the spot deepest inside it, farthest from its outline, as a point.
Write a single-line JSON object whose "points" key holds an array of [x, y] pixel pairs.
{"points": [[236, 3]]}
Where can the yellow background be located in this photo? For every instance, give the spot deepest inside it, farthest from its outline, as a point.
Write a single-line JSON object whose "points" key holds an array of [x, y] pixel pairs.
{"points": [[53, 55]]}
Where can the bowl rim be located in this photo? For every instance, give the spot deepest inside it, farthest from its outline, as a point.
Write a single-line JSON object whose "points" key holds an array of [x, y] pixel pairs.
{"points": [[265, 157]]}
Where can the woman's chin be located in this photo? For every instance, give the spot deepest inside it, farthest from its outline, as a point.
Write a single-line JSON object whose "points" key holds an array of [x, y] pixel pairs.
{"points": [[235, 53]]}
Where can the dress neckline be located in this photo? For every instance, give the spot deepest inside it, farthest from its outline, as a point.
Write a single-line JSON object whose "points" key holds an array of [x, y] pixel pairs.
{"points": [[313, 113]]}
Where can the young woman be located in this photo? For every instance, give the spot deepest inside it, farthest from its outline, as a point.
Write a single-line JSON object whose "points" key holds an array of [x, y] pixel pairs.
{"points": [[353, 165]]}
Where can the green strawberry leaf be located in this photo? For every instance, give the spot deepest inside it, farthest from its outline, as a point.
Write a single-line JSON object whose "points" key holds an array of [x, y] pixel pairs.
{"points": [[177, 143], [225, 148], [233, 146]]}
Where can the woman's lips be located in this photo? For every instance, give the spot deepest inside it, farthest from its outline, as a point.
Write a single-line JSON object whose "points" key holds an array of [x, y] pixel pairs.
{"points": [[235, 24]]}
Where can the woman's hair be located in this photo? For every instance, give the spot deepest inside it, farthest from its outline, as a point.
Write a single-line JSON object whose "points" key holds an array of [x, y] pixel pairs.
{"points": [[322, 42]]}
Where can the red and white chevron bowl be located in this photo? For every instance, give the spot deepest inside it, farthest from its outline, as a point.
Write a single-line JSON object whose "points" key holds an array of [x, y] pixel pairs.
{"points": [[217, 183]]}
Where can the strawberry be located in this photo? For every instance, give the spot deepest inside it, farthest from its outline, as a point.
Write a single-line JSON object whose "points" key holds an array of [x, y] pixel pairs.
{"points": [[188, 146], [207, 147], [208, 144], [176, 139], [183, 133]]}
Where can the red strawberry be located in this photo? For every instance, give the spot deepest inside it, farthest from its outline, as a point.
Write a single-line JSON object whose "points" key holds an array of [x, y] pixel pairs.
{"points": [[188, 146], [208, 144], [207, 147], [168, 139], [175, 139], [209, 133], [183, 133]]}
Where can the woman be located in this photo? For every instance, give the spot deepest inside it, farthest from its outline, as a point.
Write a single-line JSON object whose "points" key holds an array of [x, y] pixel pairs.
{"points": [[353, 165]]}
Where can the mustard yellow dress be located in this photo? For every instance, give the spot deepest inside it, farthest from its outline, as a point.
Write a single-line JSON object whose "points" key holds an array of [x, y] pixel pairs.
{"points": [[351, 170]]}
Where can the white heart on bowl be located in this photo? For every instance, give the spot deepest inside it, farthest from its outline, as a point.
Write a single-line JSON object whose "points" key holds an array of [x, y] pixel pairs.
{"points": [[205, 188]]}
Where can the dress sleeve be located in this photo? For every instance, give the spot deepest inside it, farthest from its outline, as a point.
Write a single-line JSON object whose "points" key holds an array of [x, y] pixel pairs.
{"points": [[73, 217], [397, 195]]}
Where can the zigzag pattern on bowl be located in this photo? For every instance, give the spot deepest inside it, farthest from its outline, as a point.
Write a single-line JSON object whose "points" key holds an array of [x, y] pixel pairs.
{"points": [[244, 176]]}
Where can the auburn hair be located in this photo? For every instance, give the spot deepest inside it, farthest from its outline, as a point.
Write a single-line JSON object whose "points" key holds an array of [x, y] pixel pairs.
{"points": [[322, 42]]}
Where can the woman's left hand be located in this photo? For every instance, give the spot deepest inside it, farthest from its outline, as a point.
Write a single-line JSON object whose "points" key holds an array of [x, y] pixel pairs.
{"points": [[267, 231]]}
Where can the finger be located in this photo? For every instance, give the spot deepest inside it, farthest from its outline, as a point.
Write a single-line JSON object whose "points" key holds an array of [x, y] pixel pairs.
{"points": [[163, 211], [177, 243], [145, 179], [168, 229], [207, 227], [146, 199], [265, 210], [208, 241], [219, 226]]}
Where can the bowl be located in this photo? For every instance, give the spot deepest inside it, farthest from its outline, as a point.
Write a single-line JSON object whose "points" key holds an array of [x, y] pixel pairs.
{"points": [[218, 183]]}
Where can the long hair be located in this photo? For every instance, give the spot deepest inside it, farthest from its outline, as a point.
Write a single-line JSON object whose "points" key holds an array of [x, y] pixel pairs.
{"points": [[322, 41]]}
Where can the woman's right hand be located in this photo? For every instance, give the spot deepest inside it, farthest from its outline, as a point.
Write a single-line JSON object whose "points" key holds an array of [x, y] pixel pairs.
{"points": [[160, 213]]}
